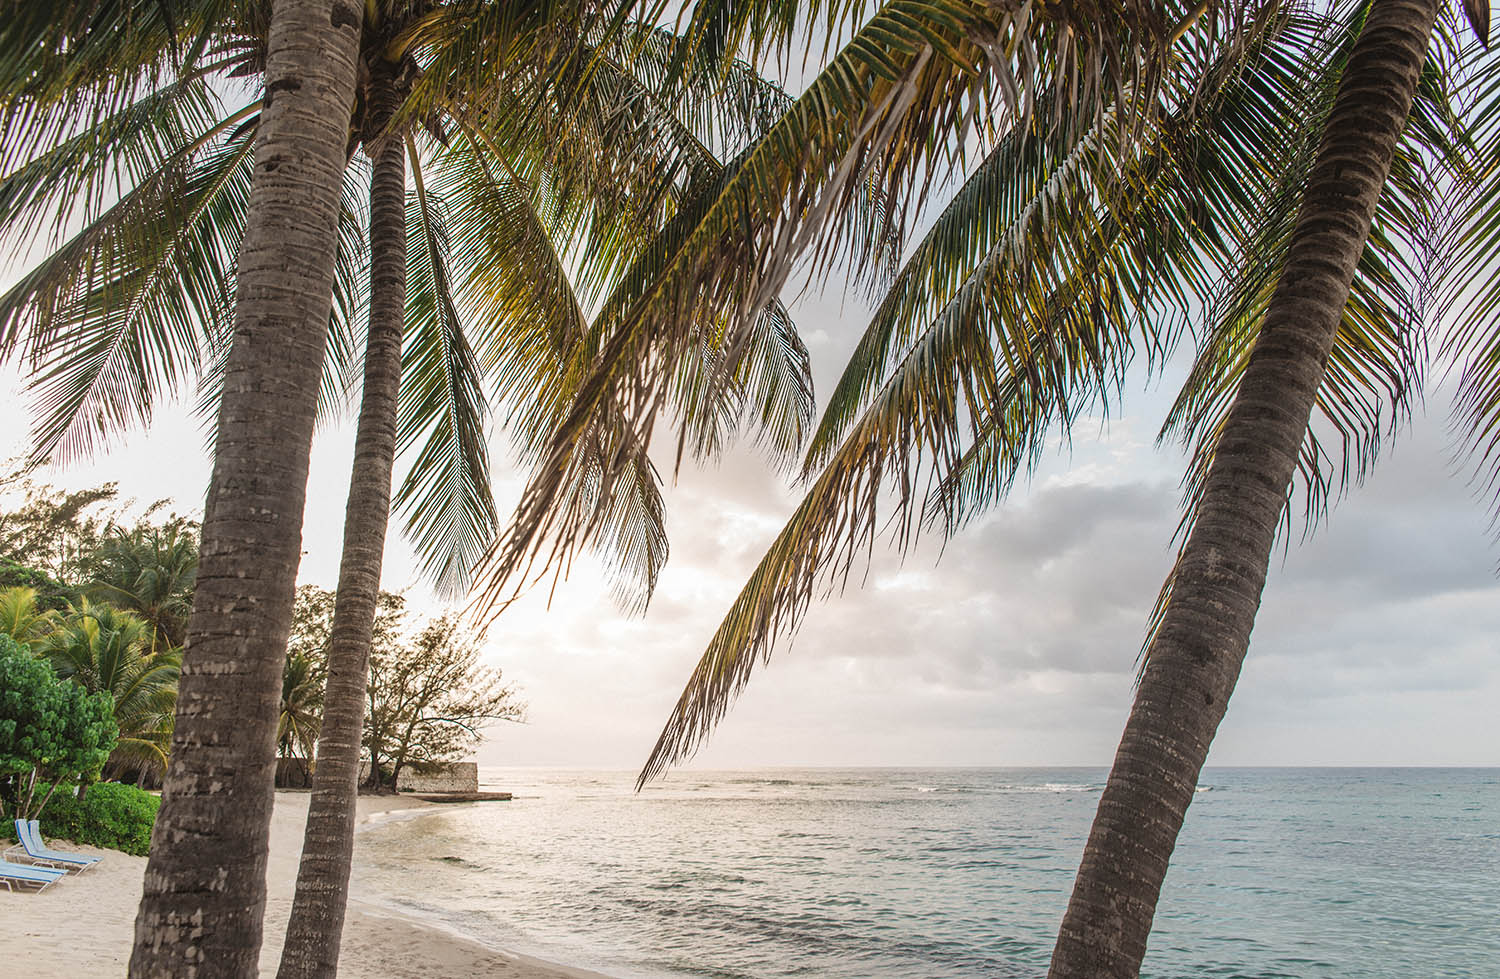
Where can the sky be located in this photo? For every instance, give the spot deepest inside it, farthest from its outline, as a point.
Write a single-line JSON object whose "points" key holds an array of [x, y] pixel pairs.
{"points": [[1376, 643], [1378, 640]]}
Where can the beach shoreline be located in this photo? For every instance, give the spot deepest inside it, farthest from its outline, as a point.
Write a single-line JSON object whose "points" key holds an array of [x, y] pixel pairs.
{"points": [[83, 925]]}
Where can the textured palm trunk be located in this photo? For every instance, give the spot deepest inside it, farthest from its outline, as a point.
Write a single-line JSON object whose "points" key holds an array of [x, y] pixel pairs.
{"points": [[205, 887], [317, 921], [1195, 658]]}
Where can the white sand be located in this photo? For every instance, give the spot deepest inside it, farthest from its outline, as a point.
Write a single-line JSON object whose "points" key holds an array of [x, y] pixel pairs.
{"points": [[82, 925]]}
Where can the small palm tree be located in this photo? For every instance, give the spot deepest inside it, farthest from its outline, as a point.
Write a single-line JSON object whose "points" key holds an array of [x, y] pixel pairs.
{"points": [[22, 620], [301, 708], [149, 571], [104, 649]]}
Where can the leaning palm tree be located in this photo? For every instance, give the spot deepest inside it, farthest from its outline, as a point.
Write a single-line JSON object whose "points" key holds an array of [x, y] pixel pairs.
{"points": [[1066, 251], [103, 648]]}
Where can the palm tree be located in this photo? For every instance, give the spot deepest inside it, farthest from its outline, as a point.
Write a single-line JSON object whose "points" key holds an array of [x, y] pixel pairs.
{"points": [[21, 619], [509, 205], [1200, 642], [103, 648], [205, 879], [302, 682], [149, 571], [1062, 254]]}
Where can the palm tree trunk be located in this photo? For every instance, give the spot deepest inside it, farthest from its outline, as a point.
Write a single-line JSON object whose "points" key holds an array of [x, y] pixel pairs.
{"points": [[317, 921], [205, 888], [1195, 658]]}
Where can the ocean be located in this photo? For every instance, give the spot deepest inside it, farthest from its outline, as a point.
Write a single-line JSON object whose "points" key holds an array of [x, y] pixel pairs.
{"points": [[930, 873]]}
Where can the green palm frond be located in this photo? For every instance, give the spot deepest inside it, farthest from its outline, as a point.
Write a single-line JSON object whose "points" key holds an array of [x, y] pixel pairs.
{"points": [[344, 359], [1375, 372], [1470, 302], [64, 68], [78, 176], [123, 311], [1050, 270], [896, 106], [446, 495]]}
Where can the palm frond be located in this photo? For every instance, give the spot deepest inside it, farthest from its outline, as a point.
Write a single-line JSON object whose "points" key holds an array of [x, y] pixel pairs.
{"points": [[127, 308], [1051, 269], [898, 103], [445, 497]]}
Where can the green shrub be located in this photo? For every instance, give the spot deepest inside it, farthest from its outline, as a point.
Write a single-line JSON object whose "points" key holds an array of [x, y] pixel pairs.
{"points": [[110, 815]]}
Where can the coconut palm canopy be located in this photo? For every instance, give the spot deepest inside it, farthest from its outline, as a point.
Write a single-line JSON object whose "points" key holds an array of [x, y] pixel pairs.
{"points": [[1085, 236], [577, 127]]}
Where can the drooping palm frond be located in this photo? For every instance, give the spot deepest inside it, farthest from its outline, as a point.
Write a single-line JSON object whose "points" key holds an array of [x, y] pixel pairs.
{"points": [[344, 359], [898, 103], [1023, 305], [446, 496], [125, 309], [66, 68], [1470, 300]]}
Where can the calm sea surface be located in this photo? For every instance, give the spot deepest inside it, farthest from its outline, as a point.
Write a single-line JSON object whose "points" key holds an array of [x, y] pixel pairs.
{"points": [[926, 873]]}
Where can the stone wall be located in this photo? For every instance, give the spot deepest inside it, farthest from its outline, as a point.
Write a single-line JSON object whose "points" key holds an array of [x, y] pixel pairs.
{"points": [[292, 773], [456, 776]]}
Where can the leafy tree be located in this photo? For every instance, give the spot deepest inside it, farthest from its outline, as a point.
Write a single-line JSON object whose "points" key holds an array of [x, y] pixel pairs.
{"points": [[48, 593], [54, 529], [101, 648], [52, 732], [429, 698]]}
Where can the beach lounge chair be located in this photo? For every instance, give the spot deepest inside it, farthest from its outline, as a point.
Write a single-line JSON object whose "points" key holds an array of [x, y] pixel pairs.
{"points": [[14, 875], [38, 852]]}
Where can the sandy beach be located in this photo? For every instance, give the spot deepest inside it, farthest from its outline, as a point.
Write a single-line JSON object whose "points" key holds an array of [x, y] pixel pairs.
{"points": [[81, 926]]}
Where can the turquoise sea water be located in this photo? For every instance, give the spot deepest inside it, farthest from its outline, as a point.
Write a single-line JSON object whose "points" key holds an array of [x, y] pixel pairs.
{"points": [[927, 873]]}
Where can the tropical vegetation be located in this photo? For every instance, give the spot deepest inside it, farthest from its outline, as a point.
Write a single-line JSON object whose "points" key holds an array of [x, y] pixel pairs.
{"points": [[111, 815], [52, 733], [110, 621]]}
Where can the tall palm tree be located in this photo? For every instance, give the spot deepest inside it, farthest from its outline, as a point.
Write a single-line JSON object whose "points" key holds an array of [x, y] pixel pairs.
{"points": [[1064, 253], [622, 151], [1200, 642], [205, 881], [103, 648]]}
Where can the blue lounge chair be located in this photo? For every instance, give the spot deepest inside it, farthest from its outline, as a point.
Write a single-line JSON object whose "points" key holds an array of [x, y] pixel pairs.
{"points": [[38, 853], [14, 875]]}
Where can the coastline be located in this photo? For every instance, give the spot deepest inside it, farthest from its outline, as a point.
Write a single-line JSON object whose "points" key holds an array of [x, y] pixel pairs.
{"points": [[83, 925]]}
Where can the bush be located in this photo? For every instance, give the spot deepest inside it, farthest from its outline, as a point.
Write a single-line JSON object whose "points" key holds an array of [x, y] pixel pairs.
{"points": [[111, 815]]}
